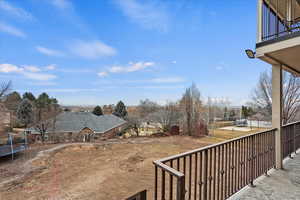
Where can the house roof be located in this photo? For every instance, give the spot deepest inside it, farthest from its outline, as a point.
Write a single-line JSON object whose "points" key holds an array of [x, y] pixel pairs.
{"points": [[76, 121]]}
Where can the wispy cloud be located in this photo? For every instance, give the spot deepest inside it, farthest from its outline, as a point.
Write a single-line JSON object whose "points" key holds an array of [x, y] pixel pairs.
{"points": [[9, 68], [61, 4], [156, 81], [32, 68], [15, 11], [30, 72], [42, 83], [168, 80], [71, 70], [102, 74], [48, 52], [220, 66], [73, 90], [149, 14], [160, 87], [92, 49], [67, 10], [50, 67], [11, 30], [39, 76], [132, 67]]}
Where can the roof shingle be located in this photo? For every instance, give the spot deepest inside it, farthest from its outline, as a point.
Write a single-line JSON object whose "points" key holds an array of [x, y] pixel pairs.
{"points": [[76, 121]]}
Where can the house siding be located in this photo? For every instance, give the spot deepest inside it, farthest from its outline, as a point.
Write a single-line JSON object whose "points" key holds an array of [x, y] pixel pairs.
{"points": [[112, 132]]}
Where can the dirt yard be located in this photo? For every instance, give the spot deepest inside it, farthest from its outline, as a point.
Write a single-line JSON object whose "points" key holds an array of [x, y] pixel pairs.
{"points": [[105, 171]]}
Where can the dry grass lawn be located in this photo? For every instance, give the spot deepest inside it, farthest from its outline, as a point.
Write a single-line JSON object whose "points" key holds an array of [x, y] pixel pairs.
{"points": [[100, 171]]}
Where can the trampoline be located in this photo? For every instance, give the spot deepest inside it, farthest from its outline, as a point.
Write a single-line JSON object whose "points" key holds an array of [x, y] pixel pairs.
{"points": [[13, 146], [6, 150]]}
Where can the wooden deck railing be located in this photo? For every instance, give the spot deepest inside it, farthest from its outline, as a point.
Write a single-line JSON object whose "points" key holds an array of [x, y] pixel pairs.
{"points": [[139, 196], [275, 26], [290, 139], [217, 171]]}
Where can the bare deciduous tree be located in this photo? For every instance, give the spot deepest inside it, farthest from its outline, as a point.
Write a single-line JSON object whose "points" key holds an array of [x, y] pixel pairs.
{"points": [[5, 87], [262, 96], [42, 128], [167, 115], [147, 107], [215, 108], [192, 107], [48, 122], [134, 121]]}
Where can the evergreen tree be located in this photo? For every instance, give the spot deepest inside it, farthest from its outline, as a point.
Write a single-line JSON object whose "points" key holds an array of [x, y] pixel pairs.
{"points": [[232, 115], [247, 112], [25, 112], [29, 96], [44, 105], [97, 111], [225, 113], [43, 100], [12, 101], [120, 110]]}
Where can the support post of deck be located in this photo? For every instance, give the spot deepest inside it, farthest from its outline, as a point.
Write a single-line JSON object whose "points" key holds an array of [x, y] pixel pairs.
{"points": [[277, 111], [259, 21], [289, 14]]}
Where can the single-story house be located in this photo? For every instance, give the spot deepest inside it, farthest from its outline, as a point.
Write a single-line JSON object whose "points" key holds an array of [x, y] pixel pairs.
{"points": [[82, 126], [150, 128]]}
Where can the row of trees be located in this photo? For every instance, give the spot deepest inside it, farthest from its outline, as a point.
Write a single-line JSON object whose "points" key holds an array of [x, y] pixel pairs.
{"points": [[43, 106], [220, 109], [37, 112], [28, 110], [119, 110], [188, 113], [260, 105], [262, 97]]}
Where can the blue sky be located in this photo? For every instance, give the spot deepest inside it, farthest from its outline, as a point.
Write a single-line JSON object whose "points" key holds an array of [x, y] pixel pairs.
{"points": [[102, 51]]}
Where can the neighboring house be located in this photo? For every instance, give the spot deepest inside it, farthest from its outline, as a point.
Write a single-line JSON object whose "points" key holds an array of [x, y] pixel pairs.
{"points": [[149, 128], [83, 126]]}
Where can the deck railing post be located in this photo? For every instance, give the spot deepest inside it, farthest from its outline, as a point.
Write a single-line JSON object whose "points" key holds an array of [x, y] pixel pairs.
{"points": [[252, 166], [290, 142], [155, 183], [205, 174], [296, 138], [295, 149], [180, 188]]}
